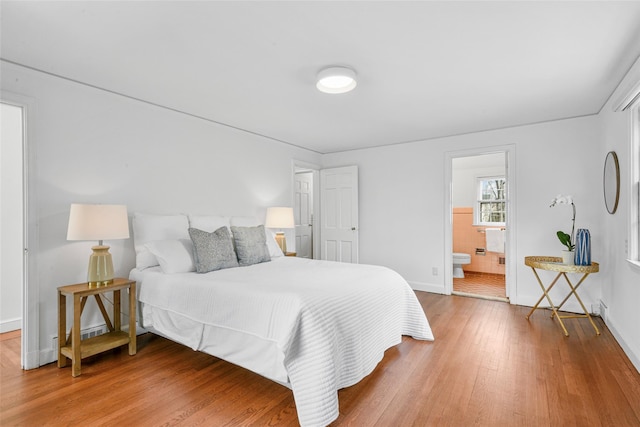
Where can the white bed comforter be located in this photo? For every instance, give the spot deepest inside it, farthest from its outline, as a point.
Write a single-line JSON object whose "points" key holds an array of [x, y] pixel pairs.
{"points": [[331, 321]]}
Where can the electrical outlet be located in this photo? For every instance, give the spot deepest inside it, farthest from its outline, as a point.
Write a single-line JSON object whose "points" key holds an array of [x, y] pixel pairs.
{"points": [[434, 271], [595, 309]]}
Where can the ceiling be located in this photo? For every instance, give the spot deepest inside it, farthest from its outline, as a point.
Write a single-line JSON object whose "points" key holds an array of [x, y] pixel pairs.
{"points": [[425, 69]]}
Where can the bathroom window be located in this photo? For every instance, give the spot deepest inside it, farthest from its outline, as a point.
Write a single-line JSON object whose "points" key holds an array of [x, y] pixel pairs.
{"points": [[490, 208]]}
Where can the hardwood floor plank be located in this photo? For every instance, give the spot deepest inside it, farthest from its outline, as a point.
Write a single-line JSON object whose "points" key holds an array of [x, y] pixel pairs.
{"points": [[489, 366]]}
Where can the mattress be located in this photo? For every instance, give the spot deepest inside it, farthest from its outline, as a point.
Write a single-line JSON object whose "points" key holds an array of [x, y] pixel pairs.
{"points": [[315, 326]]}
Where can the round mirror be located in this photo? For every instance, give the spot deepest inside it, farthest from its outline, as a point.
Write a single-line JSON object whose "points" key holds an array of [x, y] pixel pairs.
{"points": [[611, 182]]}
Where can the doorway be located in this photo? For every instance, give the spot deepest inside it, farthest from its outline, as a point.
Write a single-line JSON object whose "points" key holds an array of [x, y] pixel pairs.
{"points": [[303, 213], [306, 205], [479, 230], [11, 220], [18, 239]]}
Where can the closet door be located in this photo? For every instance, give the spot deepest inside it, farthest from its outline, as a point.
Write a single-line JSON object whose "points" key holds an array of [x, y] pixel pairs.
{"points": [[339, 214]]}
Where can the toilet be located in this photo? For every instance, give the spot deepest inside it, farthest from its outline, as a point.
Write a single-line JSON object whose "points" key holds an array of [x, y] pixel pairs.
{"points": [[459, 260]]}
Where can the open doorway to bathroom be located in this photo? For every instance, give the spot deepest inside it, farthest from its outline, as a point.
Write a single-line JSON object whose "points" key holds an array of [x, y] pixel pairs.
{"points": [[479, 225]]}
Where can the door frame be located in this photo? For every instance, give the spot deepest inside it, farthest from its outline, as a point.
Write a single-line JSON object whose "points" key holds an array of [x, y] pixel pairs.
{"points": [[510, 237], [30, 335], [300, 166]]}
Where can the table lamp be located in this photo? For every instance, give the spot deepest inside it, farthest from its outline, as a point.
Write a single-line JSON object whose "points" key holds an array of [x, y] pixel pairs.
{"points": [[280, 217], [98, 222]]}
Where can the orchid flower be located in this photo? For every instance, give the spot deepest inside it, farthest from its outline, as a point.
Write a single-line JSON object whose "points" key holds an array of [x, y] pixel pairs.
{"points": [[565, 238]]}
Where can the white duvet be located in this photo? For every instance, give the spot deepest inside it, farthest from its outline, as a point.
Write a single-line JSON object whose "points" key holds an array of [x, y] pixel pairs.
{"points": [[328, 322]]}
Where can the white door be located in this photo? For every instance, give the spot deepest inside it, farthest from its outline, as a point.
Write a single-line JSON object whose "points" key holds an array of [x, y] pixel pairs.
{"points": [[339, 214], [303, 213]]}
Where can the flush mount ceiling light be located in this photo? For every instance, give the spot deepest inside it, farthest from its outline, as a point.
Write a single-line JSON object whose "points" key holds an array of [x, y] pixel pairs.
{"points": [[336, 80]]}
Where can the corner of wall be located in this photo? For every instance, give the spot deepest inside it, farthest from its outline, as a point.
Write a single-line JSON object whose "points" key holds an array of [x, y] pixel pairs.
{"points": [[433, 288]]}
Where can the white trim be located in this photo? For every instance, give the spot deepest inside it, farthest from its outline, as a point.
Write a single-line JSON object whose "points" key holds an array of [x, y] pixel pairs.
{"points": [[10, 325], [479, 201], [30, 337], [628, 99], [628, 90], [628, 351], [434, 288], [633, 228], [510, 196], [634, 264]]}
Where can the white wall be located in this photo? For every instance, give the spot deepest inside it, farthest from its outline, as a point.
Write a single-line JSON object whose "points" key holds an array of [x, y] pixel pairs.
{"points": [[402, 217], [92, 146], [466, 170], [11, 218], [621, 287]]}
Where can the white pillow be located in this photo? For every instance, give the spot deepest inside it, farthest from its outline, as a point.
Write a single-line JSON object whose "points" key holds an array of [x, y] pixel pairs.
{"points": [[174, 256], [208, 223], [249, 221], [149, 228], [245, 221]]}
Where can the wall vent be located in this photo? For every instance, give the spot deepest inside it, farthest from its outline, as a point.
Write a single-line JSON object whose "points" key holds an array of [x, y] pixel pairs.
{"points": [[603, 311], [84, 334]]}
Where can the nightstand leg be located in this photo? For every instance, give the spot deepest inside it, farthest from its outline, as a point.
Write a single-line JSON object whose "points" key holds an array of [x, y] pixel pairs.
{"points": [[75, 337], [116, 310], [132, 319], [62, 328]]}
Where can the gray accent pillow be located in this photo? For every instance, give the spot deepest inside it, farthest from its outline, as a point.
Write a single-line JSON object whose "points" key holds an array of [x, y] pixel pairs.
{"points": [[212, 251], [251, 245]]}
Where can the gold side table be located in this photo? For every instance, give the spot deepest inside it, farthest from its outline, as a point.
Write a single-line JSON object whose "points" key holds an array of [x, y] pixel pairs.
{"points": [[555, 264], [76, 349]]}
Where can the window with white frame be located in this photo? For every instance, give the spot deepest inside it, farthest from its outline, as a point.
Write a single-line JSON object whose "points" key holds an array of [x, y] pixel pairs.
{"points": [[490, 208]]}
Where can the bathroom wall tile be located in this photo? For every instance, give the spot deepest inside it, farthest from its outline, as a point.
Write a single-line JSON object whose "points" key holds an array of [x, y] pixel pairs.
{"points": [[466, 238]]}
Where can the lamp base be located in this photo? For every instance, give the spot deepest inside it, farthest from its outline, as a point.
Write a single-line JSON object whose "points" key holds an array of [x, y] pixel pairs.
{"points": [[281, 241], [100, 267]]}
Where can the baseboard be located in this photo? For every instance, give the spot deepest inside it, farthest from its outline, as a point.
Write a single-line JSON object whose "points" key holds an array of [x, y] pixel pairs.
{"points": [[50, 355], [10, 325], [427, 287], [571, 306], [633, 356]]}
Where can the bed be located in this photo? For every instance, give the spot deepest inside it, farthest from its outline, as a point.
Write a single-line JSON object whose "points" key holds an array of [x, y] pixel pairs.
{"points": [[313, 326]]}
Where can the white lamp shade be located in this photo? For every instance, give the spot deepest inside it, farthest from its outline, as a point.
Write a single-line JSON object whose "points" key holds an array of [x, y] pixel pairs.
{"points": [[279, 217], [98, 222]]}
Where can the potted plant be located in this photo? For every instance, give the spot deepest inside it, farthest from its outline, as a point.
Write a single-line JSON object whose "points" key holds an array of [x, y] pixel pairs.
{"points": [[566, 239]]}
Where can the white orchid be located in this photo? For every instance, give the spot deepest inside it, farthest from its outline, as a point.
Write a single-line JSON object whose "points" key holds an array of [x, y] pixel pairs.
{"points": [[562, 200], [565, 238]]}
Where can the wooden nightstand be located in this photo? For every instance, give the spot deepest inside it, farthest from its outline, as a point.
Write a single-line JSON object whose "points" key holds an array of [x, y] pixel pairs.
{"points": [[75, 349], [289, 254]]}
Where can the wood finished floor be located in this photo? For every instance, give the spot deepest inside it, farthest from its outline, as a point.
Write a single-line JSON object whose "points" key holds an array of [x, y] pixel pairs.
{"points": [[482, 284], [488, 366]]}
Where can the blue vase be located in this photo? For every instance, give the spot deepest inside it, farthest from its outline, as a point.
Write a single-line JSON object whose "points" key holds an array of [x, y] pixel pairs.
{"points": [[583, 247]]}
